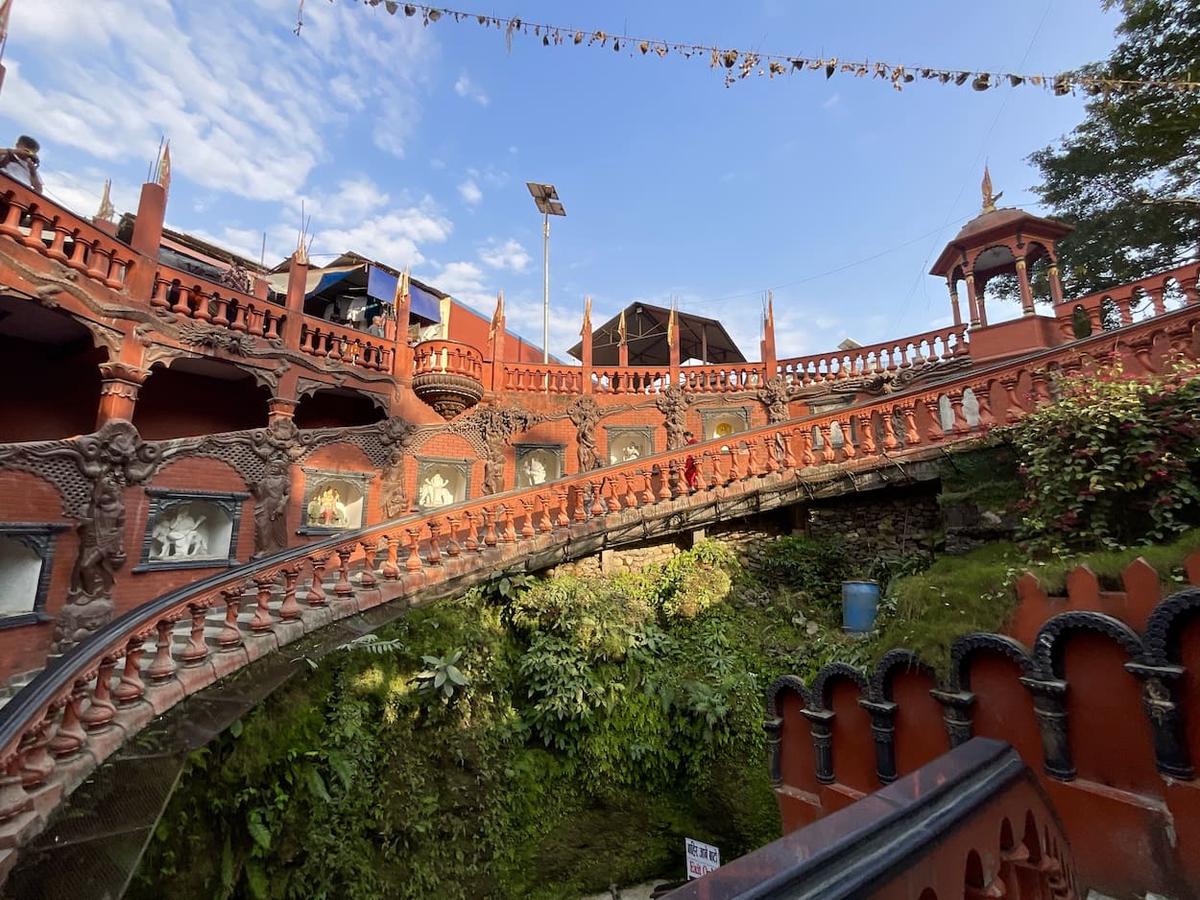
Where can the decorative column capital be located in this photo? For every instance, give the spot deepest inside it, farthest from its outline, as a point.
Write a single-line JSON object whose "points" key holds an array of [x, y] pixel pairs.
{"points": [[115, 370], [281, 408]]}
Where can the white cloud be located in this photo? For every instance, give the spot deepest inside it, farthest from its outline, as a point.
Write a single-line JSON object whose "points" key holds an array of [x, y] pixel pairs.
{"points": [[509, 255], [393, 237], [81, 191], [465, 281], [109, 78], [470, 192], [469, 90]]}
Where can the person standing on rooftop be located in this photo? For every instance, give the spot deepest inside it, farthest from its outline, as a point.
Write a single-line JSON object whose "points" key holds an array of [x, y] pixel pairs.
{"points": [[21, 162]]}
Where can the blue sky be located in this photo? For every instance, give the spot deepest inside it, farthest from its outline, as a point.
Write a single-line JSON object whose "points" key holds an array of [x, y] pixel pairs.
{"points": [[414, 144]]}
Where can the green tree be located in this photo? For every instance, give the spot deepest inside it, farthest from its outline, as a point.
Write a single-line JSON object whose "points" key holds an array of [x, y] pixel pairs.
{"points": [[1128, 177]]}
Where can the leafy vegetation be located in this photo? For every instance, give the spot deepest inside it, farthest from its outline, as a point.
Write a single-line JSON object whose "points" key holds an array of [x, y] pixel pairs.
{"points": [[1128, 177], [1114, 461]]}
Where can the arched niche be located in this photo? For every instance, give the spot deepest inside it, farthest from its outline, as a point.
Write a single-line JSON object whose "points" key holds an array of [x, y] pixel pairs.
{"points": [[333, 500], [538, 463], [627, 443], [721, 423], [441, 482], [49, 349], [26, 558], [188, 529]]}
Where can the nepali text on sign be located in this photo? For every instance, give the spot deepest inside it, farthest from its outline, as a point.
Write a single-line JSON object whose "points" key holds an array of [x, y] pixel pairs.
{"points": [[701, 858]]}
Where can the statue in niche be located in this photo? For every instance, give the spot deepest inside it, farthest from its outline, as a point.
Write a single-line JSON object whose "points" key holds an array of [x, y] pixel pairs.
{"points": [[585, 415], [775, 395], [177, 535], [395, 434], [673, 404], [630, 452], [435, 491], [493, 468], [535, 470], [270, 509], [327, 510]]}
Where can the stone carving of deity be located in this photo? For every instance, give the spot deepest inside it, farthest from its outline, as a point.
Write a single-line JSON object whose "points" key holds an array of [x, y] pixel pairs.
{"points": [[435, 491], [535, 471], [327, 510], [178, 536], [630, 452]]}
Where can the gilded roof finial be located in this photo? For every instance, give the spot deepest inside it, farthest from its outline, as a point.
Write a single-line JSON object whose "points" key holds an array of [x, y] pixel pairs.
{"points": [[107, 211], [989, 199]]}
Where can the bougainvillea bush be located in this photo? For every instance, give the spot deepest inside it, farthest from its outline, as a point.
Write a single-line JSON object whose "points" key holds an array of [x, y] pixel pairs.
{"points": [[1114, 461]]}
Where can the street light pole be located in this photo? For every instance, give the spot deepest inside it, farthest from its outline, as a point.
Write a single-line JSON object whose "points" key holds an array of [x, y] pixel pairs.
{"points": [[545, 197], [546, 288]]}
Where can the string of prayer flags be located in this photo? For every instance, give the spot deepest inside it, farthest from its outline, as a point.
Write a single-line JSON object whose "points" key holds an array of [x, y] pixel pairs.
{"points": [[737, 65]]}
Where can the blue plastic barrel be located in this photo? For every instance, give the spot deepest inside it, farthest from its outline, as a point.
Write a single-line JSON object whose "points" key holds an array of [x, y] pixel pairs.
{"points": [[860, 601]]}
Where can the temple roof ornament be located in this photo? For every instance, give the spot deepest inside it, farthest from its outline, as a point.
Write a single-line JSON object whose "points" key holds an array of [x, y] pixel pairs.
{"points": [[989, 199], [107, 211]]}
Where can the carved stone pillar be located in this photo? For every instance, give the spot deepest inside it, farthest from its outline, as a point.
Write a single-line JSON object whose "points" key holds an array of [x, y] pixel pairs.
{"points": [[119, 385], [954, 306], [956, 713], [1162, 709], [281, 408], [821, 726], [1056, 291], [883, 729], [1026, 288], [1049, 707], [773, 727], [973, 301]]}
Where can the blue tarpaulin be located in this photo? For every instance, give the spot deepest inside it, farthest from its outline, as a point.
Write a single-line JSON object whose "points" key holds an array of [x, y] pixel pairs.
{"points": [[327, 279], [382, 286]]}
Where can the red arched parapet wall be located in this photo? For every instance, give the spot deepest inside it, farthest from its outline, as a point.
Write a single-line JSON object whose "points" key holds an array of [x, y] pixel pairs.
{"points": [[839, 688], [793, 772]]}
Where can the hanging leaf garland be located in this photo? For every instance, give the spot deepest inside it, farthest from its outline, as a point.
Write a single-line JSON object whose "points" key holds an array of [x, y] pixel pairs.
{"points": [[740, 64]]}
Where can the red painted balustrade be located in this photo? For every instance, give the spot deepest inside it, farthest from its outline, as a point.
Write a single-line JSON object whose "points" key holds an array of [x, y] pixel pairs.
{"points": [[1136, 301], [889, 356], [180, 642], [205, 301], [321, 338], [552, 377], [448, 358], [33, 221]]}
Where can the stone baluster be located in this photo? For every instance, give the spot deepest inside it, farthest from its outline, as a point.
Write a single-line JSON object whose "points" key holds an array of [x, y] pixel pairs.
{"points": [[390, 569], [527, 527], [890, 441], [159, 298], [433, 556], [561, 520], [70, 737], [933, 411], [131, 687], [413, 563], [221, 305], [961, 425], [629, 492], [264, 585], [11, 227], [827, 451], [33, 240], [162, 667], [1041, 388], [614, 495], [36, 764], [733, 472], [230, 635], [343, 587], [848, 447], [366, 577], [866, 435], [183, 301], [806, 453], [453, 548], [471, 544], [100, 712], [315, 596], [196, 650], [59, 238], [489, 529], [510, 529], [289, 609], [595, 491], [13, 799]]}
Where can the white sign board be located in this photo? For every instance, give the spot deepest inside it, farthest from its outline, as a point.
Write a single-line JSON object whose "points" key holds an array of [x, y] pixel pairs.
{"points": [[701, 858]]}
